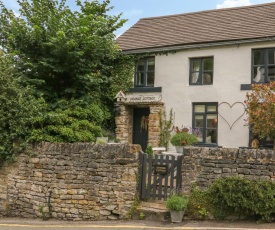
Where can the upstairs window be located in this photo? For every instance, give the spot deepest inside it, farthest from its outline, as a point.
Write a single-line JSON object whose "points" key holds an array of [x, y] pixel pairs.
{"points": [[145, 72], [263, 65], [201, 71]]}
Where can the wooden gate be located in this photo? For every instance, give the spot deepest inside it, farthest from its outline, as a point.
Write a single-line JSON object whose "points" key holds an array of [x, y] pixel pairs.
{"points": [[160, 176]]}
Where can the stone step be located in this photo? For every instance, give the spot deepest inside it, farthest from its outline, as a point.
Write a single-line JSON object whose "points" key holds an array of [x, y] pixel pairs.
{"points": [[152, 210]]}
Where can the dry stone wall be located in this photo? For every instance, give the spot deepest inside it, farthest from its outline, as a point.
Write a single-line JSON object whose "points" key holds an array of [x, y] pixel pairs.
{"points": [[79, 181], [203, 165], [84, 181]]}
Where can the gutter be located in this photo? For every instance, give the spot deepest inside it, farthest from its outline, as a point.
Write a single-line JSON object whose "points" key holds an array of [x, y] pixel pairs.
{"points": [[197, 46]]}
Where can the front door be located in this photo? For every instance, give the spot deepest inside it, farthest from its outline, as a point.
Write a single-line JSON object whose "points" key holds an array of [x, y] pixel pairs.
{"points": [[140, 127]]}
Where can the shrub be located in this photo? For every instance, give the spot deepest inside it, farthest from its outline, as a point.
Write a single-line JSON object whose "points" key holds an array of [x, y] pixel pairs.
{"points": [[198, 205], [242, 197], [177, 202]]}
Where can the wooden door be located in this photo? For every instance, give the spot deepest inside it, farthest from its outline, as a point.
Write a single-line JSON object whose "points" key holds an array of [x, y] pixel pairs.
{"points": [[140, 127]]}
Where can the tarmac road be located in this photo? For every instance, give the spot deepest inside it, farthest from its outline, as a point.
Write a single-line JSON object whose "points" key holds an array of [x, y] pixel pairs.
{"points": [[29, 224]]}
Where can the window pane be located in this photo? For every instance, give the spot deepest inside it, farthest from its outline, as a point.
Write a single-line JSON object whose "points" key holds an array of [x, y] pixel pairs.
{"points": [[271, 73], [199, 121], [195, 65], [199, 133], [151, 64], [208, 64], [211, 121], [259, 74], [212, 108], [258, 57], [150, 79], [140, 66], [271, 57], [207, 78], [199, 108], [195, 77], [211, 136], [139, 78]]}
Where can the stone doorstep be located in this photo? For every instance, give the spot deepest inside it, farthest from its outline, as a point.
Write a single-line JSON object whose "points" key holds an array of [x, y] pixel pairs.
{"points": [[157, 204], [152, 210]]}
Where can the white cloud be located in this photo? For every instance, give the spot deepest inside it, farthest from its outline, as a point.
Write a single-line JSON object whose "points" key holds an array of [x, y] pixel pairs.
{"points": [[16, 14], [234, 3]]}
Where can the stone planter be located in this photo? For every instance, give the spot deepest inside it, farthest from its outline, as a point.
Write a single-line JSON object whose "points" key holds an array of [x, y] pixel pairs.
{"points": [[176, 216]]}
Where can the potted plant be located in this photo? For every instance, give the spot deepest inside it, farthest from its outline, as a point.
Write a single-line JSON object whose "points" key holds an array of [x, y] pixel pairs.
{"points": [[177, 204], [183, 138]]}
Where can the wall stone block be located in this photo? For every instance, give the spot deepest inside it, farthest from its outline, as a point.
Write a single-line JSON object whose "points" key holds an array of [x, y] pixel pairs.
{"points": [[81, 181], [203, 165]]}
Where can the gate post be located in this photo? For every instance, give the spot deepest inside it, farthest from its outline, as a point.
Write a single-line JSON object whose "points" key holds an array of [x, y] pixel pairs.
{"points": [[179, 175], [142, 175]]}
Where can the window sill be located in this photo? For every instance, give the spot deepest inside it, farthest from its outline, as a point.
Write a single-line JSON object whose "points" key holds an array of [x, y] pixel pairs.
{"points": [[249, 86], [190, 84], [146, 89], [246, 86]]}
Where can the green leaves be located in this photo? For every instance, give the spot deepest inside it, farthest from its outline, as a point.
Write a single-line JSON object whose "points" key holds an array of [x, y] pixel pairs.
{"points": [[61, 46], [242, 197], [69, 59], [19, 111]]}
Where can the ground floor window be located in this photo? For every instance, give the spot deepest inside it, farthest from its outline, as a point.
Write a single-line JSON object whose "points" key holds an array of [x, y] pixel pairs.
{"points": [[205, 122]]}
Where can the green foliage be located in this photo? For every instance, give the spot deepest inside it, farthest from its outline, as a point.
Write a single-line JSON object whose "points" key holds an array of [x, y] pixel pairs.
{"points": [[242, 197], [65, 54], [122, 74], [165, 127], [69, 59], [149, 150], [19, 111], [198, 205], [75, 122], [183, 138], [177, 202]]}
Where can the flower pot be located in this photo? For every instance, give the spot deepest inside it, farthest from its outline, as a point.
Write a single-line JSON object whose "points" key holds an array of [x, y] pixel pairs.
{"points": [[179, 149], [176, 216]]}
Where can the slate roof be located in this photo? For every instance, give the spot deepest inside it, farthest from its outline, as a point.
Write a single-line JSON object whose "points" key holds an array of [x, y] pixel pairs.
{"points": [[230, 24]]}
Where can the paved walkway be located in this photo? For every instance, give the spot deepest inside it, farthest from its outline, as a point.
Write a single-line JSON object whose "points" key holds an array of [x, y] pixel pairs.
{"points": [[31, 224]]}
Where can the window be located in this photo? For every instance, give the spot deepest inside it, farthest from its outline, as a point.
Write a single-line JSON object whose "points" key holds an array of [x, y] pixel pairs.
{"points": [[263, 65], [201, 71], [205, 122], [145, 72]]}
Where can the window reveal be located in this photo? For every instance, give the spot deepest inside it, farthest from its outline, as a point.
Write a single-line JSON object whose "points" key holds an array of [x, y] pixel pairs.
{"points": [[201, 71], [145, 72], [263, 65], [205, 119]]}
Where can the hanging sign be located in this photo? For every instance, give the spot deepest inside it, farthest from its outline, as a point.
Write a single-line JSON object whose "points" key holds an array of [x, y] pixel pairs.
{"points": [[142, 98]]}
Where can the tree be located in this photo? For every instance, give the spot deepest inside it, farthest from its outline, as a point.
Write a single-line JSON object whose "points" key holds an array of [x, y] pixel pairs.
{"points": [[260, 107], [70, 58], [20, 111], [65, 54]]}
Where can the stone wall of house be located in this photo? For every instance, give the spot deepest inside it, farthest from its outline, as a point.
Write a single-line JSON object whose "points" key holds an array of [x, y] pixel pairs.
{"points": [[124, 120], [154, 125], [78, 181], [124, 123], [203, 165]]}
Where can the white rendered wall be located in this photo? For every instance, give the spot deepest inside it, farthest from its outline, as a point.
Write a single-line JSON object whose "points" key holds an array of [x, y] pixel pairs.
{"points": [[232, 67]]}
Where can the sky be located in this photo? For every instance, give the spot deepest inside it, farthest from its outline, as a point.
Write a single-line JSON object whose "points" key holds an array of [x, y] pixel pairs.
{"points": [[133, 10]]}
